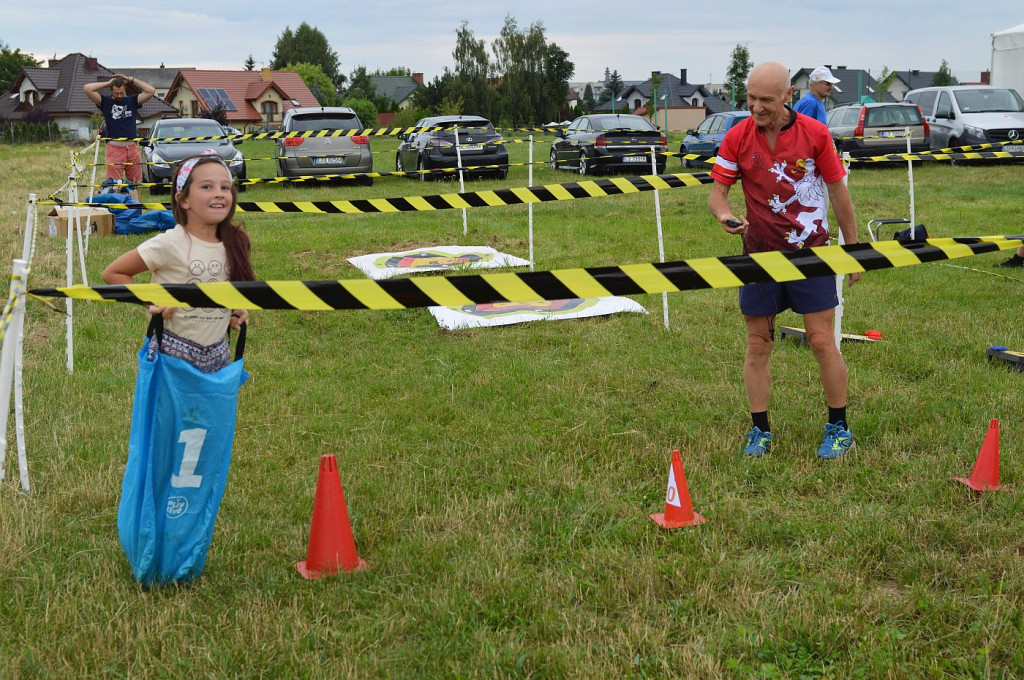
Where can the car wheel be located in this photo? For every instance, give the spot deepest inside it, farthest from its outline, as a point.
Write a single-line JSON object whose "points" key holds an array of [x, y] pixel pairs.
{"points": [[501, 174], [366, 181], [584, 166], [398, 163], [682, 161], [553, 159], [422, 166]]}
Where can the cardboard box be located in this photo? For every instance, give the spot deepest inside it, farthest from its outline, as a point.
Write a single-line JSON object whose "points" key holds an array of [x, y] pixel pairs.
{"points": [[56, 222]]}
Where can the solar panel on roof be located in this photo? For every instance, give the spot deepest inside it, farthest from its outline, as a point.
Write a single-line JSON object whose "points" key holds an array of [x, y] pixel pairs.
{"points": [[216, 96]]}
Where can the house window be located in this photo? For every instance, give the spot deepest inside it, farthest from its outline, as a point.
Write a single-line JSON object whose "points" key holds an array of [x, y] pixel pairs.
{"points": [[637, 103], [195, 108], [269, 111], [694, 102]]}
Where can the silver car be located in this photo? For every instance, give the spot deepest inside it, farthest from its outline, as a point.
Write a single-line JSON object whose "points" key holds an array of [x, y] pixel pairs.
{"points": [[326, 155]]}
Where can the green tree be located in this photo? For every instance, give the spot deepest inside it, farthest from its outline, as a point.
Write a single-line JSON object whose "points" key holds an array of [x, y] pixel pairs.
{"points": [[532, 75], [885, 80], [472, 75], [612, 86], [736, 75], [11, 62], [307, 45], [365, 109], [359, 84], [588, 103], [250, 63], [656, 93], [433, 94], [393, 71], [943, 76], [317, 82]]}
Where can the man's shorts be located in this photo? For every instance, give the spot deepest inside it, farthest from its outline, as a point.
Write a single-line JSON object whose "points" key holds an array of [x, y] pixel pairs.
{"points": [[117, 156], [805, 296]]}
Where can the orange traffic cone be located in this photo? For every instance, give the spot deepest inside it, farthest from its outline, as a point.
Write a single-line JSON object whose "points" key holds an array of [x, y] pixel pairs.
{"points": [[678, 508], [985, 476], [331, 544]]}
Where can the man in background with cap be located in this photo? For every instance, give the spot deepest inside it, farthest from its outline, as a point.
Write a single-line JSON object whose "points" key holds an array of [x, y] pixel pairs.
{"points": [[811, 104]]}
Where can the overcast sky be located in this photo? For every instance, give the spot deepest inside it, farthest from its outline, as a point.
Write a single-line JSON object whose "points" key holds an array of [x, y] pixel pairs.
{"points": [[633, 38]]}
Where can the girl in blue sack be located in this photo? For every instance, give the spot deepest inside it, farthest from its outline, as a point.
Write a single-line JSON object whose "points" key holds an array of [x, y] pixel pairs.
{"points": [[205, 246], [186, 393]]}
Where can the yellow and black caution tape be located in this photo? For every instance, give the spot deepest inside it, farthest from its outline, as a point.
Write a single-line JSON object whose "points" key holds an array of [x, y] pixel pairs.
{"points": [[558, 284], [351, 132], [937, 156], [612, 186]]}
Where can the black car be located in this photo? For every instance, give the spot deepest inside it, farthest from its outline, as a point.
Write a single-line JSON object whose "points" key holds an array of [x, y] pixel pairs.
{"points": [[159, 157], [609, 141], [478, 144]]}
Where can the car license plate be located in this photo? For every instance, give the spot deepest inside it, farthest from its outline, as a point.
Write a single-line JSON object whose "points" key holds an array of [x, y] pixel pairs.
{"points": [[891, 133], [472, 147], [636, 159], [328, 160]]}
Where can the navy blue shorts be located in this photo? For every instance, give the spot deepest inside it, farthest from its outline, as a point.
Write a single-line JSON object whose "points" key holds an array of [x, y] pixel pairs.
{"points": [[805, 296]]}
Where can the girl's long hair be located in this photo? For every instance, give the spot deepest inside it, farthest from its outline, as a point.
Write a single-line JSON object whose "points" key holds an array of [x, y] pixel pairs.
{"points": [[231, 234]]}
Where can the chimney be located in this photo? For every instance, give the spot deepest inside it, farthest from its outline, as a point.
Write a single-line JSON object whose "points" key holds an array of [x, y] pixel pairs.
{"points": [[91, 63], [266, 75], [418, 77], [655, 73], [682, 76], [52, 62], [986, 77]]}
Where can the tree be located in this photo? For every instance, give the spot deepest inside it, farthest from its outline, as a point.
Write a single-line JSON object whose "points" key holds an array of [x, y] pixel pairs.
{"points": [[943, 76], [885, 80], [736, 75], [472, 70], [656, 92], [250, 63], [393, 71], [588, 104], [359, 84], [432, 95], [11, 63], [532, 76], [365, 109], [217, 113], [612, 87], [307, 45], [317, 82]]}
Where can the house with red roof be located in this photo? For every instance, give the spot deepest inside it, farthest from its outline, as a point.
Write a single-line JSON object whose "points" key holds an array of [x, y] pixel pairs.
{"points": [[249, 99]]}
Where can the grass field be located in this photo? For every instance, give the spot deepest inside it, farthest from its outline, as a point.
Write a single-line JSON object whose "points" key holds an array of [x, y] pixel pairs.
{"points": [[499, 481]]}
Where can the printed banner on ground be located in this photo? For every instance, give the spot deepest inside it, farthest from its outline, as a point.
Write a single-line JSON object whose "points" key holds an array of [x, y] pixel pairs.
{"points": [[380, 266], [507, 313]]}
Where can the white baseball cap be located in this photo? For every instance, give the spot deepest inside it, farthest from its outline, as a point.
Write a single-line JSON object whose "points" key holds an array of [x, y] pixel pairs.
{"points": [[822, 73]]}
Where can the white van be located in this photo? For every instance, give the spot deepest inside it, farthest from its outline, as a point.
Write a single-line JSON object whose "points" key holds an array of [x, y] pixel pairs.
{"points": [[966, 115]]}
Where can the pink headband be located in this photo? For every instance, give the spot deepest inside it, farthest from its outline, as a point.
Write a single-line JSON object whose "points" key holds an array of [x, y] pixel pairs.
{"points": [[190, 164]]}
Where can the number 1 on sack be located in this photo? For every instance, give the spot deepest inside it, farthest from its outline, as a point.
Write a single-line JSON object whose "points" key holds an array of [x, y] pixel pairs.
{"points": [[186, 477]]}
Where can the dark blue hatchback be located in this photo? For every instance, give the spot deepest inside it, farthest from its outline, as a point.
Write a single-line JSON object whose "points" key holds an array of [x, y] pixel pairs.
{"points": [[707, 138]]}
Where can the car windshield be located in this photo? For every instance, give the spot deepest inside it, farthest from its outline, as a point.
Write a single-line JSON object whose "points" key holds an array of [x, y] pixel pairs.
{"points": [[200, 130], [629, 122], [988, 100], [325, 122], [892, 115]]}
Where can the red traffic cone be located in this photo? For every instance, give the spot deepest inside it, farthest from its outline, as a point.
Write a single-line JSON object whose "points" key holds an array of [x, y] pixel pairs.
{"points": [[985, 476], [678, 508], [331, 544]]}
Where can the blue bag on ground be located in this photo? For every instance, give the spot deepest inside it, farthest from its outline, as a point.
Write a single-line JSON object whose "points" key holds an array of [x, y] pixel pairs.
{"points": [[183, 425]]}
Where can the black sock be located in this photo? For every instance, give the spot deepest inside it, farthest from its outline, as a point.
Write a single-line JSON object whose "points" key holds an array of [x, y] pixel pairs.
{"points": [[837, 416], [761, 420]]}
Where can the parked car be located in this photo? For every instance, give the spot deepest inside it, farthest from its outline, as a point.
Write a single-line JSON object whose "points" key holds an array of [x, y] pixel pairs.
{"points": [[876, 129], [159, 157], [478, 144], [327, 155], [608, 141], [964, 115], [706, 140]]}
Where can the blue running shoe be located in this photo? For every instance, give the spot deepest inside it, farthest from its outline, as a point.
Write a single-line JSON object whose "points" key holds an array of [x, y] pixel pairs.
{"points": [[758, 443], [837, 441]]}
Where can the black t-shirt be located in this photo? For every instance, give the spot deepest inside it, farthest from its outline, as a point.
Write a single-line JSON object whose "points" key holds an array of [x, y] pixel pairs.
{"points": [[120, 116]]}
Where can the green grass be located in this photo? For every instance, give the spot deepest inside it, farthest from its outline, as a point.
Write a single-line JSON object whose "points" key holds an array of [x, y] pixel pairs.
{"points": [[499, 480]]}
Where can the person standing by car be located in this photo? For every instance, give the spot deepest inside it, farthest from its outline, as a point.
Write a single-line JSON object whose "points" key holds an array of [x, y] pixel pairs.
{"points": [[811, 104], [119, 113], [781, 159]]}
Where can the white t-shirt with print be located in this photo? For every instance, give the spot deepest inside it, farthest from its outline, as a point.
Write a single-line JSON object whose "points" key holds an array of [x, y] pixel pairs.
{"points": [[176, 256]]}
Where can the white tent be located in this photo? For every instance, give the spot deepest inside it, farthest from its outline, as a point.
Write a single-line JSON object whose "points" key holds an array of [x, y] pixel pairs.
{"points": [[1008, 58]]}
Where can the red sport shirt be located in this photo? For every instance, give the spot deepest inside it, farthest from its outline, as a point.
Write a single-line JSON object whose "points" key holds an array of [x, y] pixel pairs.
{"points": [[784, 192]]}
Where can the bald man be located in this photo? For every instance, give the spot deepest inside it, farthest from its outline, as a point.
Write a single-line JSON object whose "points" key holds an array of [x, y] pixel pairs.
{"points": [[785, 162]]}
